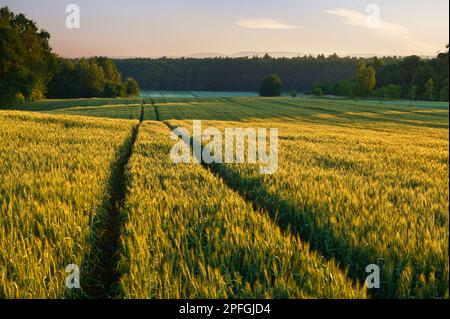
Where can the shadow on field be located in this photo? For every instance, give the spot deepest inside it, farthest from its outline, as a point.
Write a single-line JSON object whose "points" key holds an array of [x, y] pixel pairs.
{"points": [[99, 272], [300, 221], [345, 112]]}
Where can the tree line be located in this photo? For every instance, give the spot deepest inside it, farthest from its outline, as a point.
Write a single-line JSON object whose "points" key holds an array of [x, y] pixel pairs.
{"points": [[411, 78], [235, 74], [93, 77], [30, 71]]}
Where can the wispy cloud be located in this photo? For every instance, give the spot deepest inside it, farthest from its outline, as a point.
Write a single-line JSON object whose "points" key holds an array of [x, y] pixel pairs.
{"points": [[264, 23], [379, 27]]}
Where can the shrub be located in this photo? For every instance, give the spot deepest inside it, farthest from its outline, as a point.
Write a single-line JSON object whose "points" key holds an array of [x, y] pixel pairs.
{"points": [[271, 86], [392, 92], [317, 91], [132, 87]]}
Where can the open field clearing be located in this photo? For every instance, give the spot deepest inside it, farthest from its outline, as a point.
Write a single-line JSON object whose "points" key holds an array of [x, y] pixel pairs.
{"points": [[372, 193], [54, 176], [194, 94], [338, 112], [358, 183], [130, 111], [188, 236], [49, 105]]}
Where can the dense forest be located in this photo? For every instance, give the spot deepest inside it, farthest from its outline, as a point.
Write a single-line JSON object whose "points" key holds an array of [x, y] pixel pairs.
{"points": [[395, 78], [235, 74], [389, 77], [30, 71], [94, 77]]}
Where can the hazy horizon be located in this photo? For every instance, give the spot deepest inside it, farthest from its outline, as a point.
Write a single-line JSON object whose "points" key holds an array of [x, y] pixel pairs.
{"points": [[201, 28]]}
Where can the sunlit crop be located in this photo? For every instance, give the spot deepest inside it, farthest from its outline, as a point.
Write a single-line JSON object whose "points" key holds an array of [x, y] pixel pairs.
{"points": [[361, 189], [357, 183], [53, 180], [188, 235]]}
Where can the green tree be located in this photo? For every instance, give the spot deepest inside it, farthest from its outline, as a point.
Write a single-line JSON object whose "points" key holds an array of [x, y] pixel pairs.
{"points": [[65, 82], [392, 91], [413, 92], [91, 78], [95, 77], [365, 80], [428, 94], [346, 88], [132, 87], [422, 75], [111, 90], [409, 65], [26, 60], [444, 91], [109, 68], [317, 91], [271, 86]]}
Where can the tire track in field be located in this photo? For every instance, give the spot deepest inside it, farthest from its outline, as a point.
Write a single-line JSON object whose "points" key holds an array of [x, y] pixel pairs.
{"points": [[102, 262], [283, 213], [158, 117], [142, 117]]}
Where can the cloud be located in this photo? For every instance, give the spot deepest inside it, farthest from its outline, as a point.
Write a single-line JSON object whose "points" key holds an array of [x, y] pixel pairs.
{"points": [[264, 23], [370, 21], [376, 26]]}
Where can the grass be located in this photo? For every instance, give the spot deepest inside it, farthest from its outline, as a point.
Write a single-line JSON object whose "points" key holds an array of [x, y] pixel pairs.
{"points": [[50, 105], [193, 94], [189, 236], [362, 194], [130, 111], [337, 112], [358, 182], [54, 173]]}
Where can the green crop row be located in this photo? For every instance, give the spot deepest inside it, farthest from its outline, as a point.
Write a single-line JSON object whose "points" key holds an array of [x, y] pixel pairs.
{"points": [[54, 173], [187, 235]]}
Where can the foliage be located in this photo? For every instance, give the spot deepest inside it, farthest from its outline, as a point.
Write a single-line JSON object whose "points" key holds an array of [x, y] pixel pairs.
{"points": [[410, 74], [365, 80], [428, 94], [235, 74], [132, 87], [94, 77], [271, 86], [26, 60], [444, 91], [392, 92], [317, 91], [29, 69]]}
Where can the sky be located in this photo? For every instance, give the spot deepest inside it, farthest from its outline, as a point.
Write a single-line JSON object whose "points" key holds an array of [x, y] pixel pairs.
{"points": [[153, 28]]}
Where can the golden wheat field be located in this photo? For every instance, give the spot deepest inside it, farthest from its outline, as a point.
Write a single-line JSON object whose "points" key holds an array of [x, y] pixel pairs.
{"points": [[189, 236], [357, 183], [53, 180], [376, 194]]}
